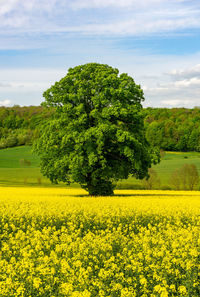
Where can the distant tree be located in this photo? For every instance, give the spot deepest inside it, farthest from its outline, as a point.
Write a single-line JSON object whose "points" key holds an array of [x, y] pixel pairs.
{"points": [[189, 176], [162, 153], [97, 136], [155, 133], [11, 141], [174, 129], [186, 178], [175, 179], [24, 162], [194, 140], [152, 181]]}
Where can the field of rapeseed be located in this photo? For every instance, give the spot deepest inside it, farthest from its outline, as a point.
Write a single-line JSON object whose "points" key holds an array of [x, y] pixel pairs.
{"points": [[60, 242]]}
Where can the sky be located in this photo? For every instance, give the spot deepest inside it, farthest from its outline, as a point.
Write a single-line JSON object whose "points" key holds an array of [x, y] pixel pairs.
{"points": [[157, 42]]}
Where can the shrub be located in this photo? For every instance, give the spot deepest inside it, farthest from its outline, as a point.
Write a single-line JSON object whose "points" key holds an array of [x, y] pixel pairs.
{"points": [[185, 178], [24, 162], [153, 181]]}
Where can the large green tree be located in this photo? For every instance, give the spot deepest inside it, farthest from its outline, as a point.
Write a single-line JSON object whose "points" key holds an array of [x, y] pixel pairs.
{"points": [[97, 135]]}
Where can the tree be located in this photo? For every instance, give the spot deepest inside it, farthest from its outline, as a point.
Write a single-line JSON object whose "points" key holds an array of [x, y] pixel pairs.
{"points": [[97, 135], [152, 181], [187, 177], [175, 179]]}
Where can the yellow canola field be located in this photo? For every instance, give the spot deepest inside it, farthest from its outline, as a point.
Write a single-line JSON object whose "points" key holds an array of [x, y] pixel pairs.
{"points": [[61, 242]]}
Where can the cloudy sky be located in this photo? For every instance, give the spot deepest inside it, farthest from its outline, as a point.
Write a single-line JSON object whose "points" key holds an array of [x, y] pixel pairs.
{"points": [[157, 42]]}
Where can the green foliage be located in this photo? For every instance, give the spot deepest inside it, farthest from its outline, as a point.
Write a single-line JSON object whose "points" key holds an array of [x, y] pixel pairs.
{"points": [[175, 129], [19, 125], [185, 178], [97, 135], [24, 162], [152, 181]]}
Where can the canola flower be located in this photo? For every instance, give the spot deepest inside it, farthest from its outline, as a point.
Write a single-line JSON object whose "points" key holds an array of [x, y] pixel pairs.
{"points": [[61, 242]]}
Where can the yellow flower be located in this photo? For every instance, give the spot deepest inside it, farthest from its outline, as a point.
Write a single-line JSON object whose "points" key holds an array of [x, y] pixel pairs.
{"points": [[54, 239], [182, 289], [36, 282]]}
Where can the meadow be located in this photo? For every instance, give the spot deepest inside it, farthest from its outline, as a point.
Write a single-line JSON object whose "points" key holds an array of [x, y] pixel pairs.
{"points": [[61, 242], [12, 173]]}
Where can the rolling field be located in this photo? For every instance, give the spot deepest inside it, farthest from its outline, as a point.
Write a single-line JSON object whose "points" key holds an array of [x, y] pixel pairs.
{"points": [[61, 242], [12, 173]]}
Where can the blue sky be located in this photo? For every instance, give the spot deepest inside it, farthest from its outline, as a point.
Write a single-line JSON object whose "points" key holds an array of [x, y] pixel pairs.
{"points": [[157, 42]]}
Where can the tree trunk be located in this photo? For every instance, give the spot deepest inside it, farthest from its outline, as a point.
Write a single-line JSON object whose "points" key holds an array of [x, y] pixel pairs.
{"points": [[100, 188]]}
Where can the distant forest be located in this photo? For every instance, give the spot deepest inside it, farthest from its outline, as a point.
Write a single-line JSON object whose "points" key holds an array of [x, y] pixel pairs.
{"points": [[175, 129]]}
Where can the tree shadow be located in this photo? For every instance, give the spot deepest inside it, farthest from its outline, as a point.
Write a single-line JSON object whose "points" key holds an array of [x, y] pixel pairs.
{"points": [[128, 195]]}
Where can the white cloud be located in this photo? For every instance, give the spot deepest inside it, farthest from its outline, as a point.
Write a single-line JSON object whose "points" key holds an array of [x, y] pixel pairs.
{"points": [[5, 102], [192, 82], [180, 88], [30, 75], [167, 94], [26, 86], [7, 6], [192, 72], [5, 85], [179, 103], [125, 17], [172, 102], [135, 4], [27, 83], [136, 26], [22, 22], [86, 4], [179, 85]]}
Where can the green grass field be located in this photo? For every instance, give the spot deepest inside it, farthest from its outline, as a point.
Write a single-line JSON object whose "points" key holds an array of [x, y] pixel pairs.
{"points": [[13, 173]]}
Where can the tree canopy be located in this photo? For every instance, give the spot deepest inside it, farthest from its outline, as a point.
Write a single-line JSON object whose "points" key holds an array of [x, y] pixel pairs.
{"points": [[97, 135]]}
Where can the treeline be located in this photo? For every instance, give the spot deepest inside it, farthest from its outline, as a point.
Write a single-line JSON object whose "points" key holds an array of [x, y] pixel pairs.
{"points": [[19, 125], [175, 129]]}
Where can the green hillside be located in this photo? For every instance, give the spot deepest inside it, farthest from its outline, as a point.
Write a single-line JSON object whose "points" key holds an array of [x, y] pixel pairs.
{"points": [[13, 172], [10, 157]]}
